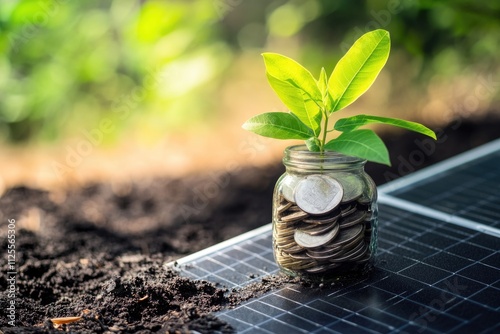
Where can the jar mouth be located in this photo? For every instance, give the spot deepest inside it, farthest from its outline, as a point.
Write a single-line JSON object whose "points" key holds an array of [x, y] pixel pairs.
{"points": [[299, 156]]}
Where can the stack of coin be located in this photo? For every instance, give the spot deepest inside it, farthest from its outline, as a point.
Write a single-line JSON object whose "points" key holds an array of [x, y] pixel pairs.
{"points": [[322, 224]]}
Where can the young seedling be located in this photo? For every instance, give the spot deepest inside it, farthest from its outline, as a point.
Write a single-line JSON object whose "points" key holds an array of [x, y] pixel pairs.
{"points": [[312, 102]]}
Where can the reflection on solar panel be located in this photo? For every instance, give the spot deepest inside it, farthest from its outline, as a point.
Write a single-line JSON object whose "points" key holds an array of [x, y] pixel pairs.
{"points": [[432, 276]]}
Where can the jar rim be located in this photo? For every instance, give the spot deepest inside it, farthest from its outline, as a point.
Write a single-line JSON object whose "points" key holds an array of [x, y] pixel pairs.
{"points": [[299, 156]]}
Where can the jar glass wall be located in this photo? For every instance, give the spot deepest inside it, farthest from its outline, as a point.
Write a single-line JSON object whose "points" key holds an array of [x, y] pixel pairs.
{"points": [[324, 216]]}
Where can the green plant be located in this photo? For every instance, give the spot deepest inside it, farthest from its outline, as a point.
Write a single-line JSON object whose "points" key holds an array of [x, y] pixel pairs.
{"points": [[312, 102]]}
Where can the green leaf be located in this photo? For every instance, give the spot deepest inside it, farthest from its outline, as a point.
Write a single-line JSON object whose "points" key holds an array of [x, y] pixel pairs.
{"points": [[297, 102], [354, 122], [359, 68], [323, 87], [288, 70], [278, 125], [313, 144], [323, 82], [364, 144]]}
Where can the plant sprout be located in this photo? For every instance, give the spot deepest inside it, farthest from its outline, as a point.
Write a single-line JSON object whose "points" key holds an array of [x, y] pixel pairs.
{"points": [[312, 102]]}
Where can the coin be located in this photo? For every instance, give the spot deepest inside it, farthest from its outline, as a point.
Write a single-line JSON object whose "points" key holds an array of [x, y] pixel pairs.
{"points": [[301, 265], [293, 217], [281, 224], [288, 185], [347, 235], [352, 184], [300, 256], [365, 200], [347, 210], [283, 207], [360, 256], [353, 242], [323, 268], [294, 208], [353, 219], [318, 194], [326, 219], [312, 241], [319, 229], [285, 243], [326, 257], [282, 234], [295, 249], [365, 258], [353, 246], [355, 254], [324, 252]]}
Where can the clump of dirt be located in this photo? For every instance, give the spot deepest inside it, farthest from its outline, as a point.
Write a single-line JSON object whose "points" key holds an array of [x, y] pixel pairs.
{"points": [[129, 294]]}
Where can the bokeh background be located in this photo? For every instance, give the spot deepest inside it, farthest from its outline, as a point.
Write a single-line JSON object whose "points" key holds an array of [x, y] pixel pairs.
{"points": [[122, 89]]}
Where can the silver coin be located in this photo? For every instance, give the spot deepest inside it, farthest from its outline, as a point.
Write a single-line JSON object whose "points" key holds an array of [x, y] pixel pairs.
{"points": [[294, 208], [283, 207], [284, 233], [318, 229], [326, 219], [365, 200], [300, 256], [318, 194], [351, 256], [288, 185], [353, 186], [360, 256], [325, 251], [347, 210], [301, 265], [365, 258], [326, 257], [323, 268], [295, 249], [281, 224], [348, 235], [295, 216], [353, 219], [353, 242], [354, 246], [285, 244], [312, 241]]}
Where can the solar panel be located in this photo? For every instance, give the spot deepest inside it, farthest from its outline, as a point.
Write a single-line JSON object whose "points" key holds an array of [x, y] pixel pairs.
{"points": [[465, 188], [436, 270], [429, 274]]}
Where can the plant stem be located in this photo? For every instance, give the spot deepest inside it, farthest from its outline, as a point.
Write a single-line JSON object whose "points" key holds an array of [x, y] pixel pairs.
{"points": [[325, 131]]}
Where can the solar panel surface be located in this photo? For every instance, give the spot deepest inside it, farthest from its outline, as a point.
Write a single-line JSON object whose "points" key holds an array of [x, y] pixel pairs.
{"points": [[430, 275], [469, 191]]}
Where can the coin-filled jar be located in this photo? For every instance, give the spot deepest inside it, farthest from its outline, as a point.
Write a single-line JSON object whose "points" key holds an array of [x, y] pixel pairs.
{"points": [[324, 216]]}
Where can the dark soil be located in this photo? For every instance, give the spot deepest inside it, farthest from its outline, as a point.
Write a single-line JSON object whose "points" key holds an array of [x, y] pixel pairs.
{"points": [[98, 252]]}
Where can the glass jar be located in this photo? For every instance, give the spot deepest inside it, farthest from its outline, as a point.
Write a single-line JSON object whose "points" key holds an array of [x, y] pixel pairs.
{"points": [[324, 216]]}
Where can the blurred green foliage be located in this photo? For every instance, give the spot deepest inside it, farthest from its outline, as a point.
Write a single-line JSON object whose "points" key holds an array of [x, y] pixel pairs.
{"points": [[158, 64], [66, 64]]}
